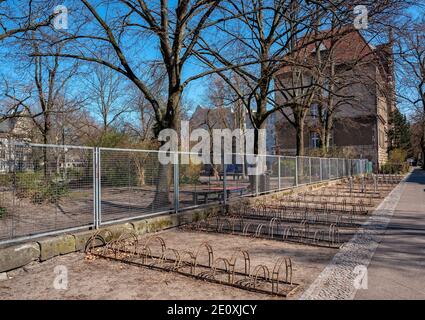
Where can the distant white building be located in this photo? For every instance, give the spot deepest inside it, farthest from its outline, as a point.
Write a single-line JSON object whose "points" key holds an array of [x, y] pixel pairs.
{"points": [[14, 132]]}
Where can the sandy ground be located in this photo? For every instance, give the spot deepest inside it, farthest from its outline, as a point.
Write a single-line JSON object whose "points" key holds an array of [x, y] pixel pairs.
{"points": [[101, 279]]}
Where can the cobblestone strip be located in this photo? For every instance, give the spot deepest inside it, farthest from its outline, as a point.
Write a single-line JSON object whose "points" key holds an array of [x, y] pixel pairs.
{"points": [[336, 281]]}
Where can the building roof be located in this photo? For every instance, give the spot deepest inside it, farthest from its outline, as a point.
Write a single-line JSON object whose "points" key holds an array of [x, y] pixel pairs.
{"points": [[346, 44], [217, 118]]}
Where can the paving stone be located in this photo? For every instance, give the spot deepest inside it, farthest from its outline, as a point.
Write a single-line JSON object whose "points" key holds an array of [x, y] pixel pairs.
{"points": [[336, 281]]}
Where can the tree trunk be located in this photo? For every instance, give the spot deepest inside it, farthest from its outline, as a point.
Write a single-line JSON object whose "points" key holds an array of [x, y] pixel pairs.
{"points": [[165, 171], [300, 138], [163, 183], [45, 156], [328, 128], [259, 179]]}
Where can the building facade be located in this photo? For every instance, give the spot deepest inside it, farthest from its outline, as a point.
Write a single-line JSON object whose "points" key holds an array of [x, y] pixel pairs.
{"points": [[360, 121]]}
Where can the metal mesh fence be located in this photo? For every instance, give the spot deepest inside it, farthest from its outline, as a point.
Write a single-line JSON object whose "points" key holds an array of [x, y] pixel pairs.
{"points": [[133, 183], [288, 171], [304, 170], [333, 165], [315, 169], [45, 189], [341, 169], [48, 189], [325, 168], [198, 184]]}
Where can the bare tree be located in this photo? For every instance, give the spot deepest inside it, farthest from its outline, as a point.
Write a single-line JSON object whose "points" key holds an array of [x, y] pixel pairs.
{"points": [[411, 69], [107, 93], [316, 74], [43, 97], [175, 28], [263, 34], [17, 17]]}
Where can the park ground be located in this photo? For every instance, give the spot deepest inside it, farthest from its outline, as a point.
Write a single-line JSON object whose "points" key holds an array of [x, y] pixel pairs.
{"points": [[395, 265]]}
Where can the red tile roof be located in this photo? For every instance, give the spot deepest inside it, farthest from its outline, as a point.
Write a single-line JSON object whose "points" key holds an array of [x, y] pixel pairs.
{"points": [[346, 45]]}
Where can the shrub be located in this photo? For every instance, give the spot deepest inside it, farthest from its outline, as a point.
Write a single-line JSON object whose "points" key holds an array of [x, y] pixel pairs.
{"points": [[394, 168], [190, 173], [6, 179], [39, 189], [396, 162], [3, 212], [397, 156]]}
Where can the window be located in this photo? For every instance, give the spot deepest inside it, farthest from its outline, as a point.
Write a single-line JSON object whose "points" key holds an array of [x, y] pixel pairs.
{"points": [[314, 110], [325, 90], [314, 140]]}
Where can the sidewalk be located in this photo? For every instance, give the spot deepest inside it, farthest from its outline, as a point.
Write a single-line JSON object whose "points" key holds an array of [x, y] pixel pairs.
{"points": [[397, 269], [390, 244]]}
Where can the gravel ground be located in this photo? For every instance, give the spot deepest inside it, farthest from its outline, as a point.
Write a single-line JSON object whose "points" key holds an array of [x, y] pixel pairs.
{"points": [[101, 279]]}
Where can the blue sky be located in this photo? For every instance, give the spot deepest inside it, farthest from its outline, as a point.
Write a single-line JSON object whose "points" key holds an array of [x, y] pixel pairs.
{"points": [[195, 92]]}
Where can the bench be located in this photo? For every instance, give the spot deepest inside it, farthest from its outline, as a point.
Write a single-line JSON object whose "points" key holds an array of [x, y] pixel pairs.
{"points": [[205, 194]]}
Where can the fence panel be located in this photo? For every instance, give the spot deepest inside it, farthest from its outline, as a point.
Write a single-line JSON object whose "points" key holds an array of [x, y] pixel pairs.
{"points": [[325, 168], [199, 184], [45, 189], [272, 173], [333, 172], [288, 171], [133, 184], [303, 170], [315, 169], [48, 189], [341, 168]]}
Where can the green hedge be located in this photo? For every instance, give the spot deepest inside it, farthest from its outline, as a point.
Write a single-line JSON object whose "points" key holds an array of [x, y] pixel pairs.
{"points": [[394, 168]]}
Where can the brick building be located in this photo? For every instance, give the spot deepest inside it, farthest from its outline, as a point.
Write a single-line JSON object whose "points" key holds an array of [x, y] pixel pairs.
{"points": [[360, 124]]}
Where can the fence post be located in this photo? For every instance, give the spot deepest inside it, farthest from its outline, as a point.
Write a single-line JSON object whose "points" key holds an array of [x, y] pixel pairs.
{"points": [[321, 169], [278, 184], [344, 171], [94, 165], [296, 171], [224, 183], [337, 167], [176, 183], [97, 188], [309, 162], [99, 182], [329, 168]]}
